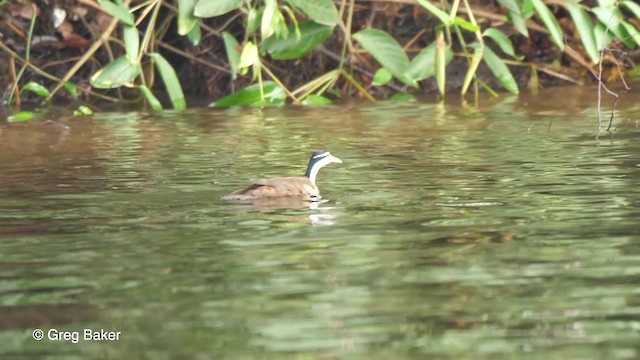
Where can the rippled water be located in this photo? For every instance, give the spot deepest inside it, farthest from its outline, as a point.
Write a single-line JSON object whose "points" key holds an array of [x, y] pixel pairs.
{"points": [[453, 232]]}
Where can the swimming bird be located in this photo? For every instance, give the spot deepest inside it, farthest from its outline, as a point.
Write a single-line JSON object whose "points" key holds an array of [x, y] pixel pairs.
{"points": [[293, 187]]}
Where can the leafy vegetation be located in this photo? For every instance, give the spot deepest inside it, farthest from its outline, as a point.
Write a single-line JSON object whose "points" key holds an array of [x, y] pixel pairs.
{"points": [[264, 40]]}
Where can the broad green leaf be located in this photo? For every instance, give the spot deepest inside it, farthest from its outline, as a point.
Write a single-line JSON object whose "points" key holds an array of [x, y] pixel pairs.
{"points": [[441, 63], [511, 5], [20, 116], [423, 65], [550, 22], [280, 26], [633, 7], [585, 29], [528, 8], [403, 97], [71, 88], [254, 17], [386, 50], [631, 31], [501, 40], [291, 47], [118, 11], [233, 55], [251, 95], [519, 23], [441, 15], [83, 110], [321, 11], [249, 55], [36, 88], [151, 99], [131, 42], [381, 77], [500, 70], [609, 16], [171, 82], [194, 35], [117, 73], [316, 100], [269, 19], [607, 3], [515, 15], [465, 24], [602, 36], [186, 18], [211, 8]]}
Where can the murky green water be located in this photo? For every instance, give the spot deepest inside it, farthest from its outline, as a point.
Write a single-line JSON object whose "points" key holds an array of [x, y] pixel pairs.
{"points": [[505, 232]]}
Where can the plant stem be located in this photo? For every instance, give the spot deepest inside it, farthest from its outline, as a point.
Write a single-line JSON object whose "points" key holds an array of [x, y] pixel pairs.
{"points": [[347, 33], [14, 87]]}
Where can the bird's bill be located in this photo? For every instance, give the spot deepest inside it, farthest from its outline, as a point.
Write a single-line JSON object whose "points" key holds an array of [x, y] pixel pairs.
{"points": [[333, 159]]}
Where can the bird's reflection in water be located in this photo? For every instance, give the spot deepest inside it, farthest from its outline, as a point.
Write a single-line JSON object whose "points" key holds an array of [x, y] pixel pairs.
{"points": [[321, 217]]}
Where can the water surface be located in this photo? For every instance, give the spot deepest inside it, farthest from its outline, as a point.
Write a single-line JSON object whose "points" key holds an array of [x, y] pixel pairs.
{"points": [[505, 231]]}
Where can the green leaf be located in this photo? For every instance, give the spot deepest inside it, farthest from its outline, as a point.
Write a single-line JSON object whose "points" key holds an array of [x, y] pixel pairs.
{"points": [[269, 20], [403, 97], [291, 47], [515, 15], [211, 8], [511, 5], [118, 11], [549, 22], [465, 24], [71, 88], [194, 35], [254, 18], [441, 15], [131, 42], [151, 99], [423, 66], [386, 50], [249, 55], [527, 8], [171, 82], [501, 40], [186, 18], [273, 95], [500, 70], [83, 111], [631, 31], [117, 73], [586, 30], [20, 116], [610, 16], [602, 36], [381, 77], [316, 100], [233, 55], [321, 11], [519, 23], [633, 7], [37, 89]]}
